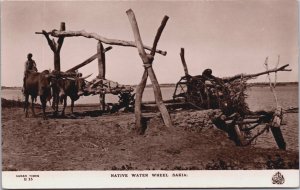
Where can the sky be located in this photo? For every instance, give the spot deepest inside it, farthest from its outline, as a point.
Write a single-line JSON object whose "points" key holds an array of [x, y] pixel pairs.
{"points": [[230, 37]]}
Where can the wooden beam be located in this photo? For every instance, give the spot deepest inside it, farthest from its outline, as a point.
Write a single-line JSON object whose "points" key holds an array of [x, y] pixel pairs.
{"points": [[83, 33]]}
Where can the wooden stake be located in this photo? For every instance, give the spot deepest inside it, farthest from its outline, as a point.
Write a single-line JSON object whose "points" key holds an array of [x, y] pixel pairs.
{"points": [[147, 61], [186, 72]]}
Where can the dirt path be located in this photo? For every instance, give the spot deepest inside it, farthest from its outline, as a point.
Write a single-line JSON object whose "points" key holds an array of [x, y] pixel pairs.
{"points": [[109, 142]]}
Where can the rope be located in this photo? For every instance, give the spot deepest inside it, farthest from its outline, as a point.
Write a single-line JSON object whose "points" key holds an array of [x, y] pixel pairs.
{"points": [[147, 66]]}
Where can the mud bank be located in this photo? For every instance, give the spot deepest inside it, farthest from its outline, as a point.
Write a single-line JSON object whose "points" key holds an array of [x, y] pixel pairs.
{"points": [[91, 141]]}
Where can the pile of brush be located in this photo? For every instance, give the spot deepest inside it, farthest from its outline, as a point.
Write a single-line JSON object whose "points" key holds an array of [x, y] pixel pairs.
{"points": [[206, 92], [235, 97]]}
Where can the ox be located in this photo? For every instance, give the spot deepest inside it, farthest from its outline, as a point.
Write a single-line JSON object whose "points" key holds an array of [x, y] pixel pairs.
{"points": [[72, 87], [37, 84]]}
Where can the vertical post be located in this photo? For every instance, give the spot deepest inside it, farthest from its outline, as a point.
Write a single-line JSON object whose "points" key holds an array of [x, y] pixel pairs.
{"points": [[58, 47], [62, 26], [101, 60], [186, 72], [101, 71]]}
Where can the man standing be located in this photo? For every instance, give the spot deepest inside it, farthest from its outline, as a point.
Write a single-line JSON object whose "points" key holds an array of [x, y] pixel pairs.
{"points": [[30, 66]]}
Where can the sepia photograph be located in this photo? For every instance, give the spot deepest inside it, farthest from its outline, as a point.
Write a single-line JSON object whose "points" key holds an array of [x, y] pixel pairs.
{"points": [[151, 94]]}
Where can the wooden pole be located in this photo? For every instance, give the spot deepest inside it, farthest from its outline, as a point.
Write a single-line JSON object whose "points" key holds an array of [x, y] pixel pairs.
{"points": [[248, 76], [89, 60], [101, 71], [186, 72], [147, 61]]}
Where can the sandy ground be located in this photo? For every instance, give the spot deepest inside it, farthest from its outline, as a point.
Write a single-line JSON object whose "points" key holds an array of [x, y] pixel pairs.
{"points": [[91, 141]]}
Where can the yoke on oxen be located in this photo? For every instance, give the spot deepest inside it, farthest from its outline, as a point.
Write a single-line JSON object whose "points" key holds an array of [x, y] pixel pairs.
{"points": [[66, 84]]}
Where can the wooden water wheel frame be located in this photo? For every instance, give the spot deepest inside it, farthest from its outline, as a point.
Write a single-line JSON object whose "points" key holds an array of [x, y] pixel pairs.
{"points": [[228, 95]]}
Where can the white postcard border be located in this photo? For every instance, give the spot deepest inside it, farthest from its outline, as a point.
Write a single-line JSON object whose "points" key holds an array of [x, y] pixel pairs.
{"points": [[117, 179]]}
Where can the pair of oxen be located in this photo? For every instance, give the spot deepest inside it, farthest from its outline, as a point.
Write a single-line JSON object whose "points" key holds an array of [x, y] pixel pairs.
{"points": [[47, 85]]}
